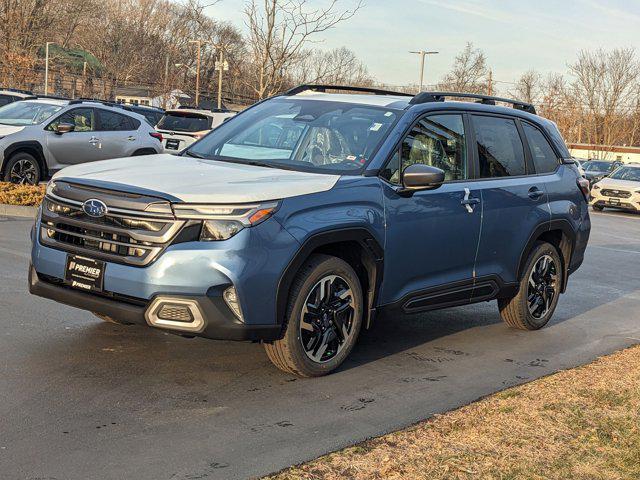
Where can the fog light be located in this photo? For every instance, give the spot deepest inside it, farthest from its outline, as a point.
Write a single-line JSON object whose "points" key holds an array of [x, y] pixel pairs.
{"points": [[231, 299], [176, 313]]}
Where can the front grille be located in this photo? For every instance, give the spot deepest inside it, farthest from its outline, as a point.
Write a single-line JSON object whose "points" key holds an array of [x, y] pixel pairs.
{"points": [[616, 193], [133, 238]]}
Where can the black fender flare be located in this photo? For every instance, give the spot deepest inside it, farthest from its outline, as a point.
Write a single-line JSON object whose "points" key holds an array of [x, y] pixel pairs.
{"points": [[559, 224], [31, 146], [374, 263]]}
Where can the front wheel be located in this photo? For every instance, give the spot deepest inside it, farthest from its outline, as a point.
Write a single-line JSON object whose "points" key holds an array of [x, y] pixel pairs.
{"points": [[324, 316], [22, 168], [535, 302]]}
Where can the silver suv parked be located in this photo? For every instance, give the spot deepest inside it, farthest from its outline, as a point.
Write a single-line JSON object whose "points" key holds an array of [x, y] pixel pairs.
{"points": [[39, 137]]}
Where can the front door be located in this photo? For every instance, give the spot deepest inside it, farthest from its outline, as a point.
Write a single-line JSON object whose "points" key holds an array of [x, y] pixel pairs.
{"points": [[81, 145], [432, 235]]}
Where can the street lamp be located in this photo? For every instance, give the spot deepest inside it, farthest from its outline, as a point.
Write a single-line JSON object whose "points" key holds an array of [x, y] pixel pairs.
{"points": [[422, 54], [221, 65], [199, 44], [46, 68]]}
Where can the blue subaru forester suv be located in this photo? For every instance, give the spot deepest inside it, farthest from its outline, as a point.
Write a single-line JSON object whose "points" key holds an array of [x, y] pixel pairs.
{"points": [[299, 220]]}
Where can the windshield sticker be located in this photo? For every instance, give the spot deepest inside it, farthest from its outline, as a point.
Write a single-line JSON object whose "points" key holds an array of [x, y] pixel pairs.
{"points": [[375, 127]]}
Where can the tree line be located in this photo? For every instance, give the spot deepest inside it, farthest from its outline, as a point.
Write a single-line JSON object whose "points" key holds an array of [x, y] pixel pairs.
{"points": [[151, 43]]}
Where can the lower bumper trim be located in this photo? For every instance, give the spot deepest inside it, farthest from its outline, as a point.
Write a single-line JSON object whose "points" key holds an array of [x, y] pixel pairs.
{"points": [[220, 323]]}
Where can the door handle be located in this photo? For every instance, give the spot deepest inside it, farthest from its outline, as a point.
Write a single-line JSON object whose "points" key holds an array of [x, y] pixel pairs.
{"points": [[131, 139], [535, 193], [468, 202], [94, 140]]}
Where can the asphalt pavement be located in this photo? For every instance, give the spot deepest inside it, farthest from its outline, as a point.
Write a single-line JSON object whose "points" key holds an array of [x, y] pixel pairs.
{"points": [[83, 399]]}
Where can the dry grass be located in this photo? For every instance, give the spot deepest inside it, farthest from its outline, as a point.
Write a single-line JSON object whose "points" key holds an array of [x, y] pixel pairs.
{"points": [[577, 424], [28, 195]]}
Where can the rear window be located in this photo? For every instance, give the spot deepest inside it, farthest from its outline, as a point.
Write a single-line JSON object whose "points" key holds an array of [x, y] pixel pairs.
{"points": [[184, 122]]}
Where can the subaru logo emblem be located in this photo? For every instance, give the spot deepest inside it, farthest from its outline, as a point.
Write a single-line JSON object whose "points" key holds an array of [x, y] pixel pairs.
{"points": [[94, 208]]}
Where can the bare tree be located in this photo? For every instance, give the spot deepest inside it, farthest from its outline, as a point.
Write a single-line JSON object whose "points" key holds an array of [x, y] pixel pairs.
{"points": [[339, 66], [527, 87], [278, 32], [469, 72]]}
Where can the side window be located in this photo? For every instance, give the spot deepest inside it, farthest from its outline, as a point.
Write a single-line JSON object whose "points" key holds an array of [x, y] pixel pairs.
{"points": [[500, 150], [544, 157], [436, 140], [82, 118], [112, 121]]}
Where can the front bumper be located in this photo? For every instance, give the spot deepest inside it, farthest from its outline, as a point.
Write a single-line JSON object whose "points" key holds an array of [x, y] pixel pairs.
{"points": [[219, 321], [631, 203]]}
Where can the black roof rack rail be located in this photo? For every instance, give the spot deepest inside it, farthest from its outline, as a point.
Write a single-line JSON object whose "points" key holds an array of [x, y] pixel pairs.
{"points": [[426, 97], [17, 90], [347, 88]]}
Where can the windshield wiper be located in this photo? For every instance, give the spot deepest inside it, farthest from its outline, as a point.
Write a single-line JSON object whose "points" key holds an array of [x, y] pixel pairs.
{"points": [[194, 154]]}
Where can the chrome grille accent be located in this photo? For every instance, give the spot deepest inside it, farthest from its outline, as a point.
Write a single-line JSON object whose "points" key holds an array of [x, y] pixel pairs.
{"points": [[616, 193], [134, 238]]}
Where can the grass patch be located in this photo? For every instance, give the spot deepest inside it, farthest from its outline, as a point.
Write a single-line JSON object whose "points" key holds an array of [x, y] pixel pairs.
{"points": [[581, 424], [27, 195]]}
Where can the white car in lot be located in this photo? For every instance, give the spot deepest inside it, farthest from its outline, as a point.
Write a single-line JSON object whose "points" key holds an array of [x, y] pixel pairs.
{"points": [[181, 127], [620, 190]]}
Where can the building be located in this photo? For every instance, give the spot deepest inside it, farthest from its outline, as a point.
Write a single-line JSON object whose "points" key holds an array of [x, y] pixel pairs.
{"points": [[134, 95], [605, 152]]}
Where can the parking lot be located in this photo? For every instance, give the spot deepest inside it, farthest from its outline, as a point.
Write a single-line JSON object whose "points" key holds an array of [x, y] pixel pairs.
{"points": [[83, 399]]}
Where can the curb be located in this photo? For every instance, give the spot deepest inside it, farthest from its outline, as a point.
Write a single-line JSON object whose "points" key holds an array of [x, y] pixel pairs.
{"points": [[18, 211]]}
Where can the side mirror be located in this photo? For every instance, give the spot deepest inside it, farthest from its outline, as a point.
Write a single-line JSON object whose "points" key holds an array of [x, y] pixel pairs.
{"points": [[422, 177], [65, 128]]}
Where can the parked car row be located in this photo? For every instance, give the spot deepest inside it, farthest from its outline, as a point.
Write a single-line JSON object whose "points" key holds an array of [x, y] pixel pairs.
{"points": [[41, 135]]}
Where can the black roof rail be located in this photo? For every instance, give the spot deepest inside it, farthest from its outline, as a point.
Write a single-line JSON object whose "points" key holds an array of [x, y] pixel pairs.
{"points": [[426, 97], [347, 88], [17, 90]]}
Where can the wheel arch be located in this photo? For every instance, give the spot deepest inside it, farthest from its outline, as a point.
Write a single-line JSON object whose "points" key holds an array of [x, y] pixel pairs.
{"points": [[357, 246], [558, 233], [144, 151], [31, 147]]}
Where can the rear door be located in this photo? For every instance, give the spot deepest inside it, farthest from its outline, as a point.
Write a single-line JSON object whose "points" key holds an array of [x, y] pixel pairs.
{"points": [[118, 133], [82, 144], [431, 235], [514, 198]]}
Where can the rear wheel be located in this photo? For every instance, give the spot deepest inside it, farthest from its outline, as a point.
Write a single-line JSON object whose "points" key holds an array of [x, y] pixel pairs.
{"points": [[540, 285], [22, 168], [324, 316]]}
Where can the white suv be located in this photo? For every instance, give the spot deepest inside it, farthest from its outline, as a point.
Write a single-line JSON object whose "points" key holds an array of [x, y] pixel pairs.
{"points": [[619, 190], [39, 137], [183, 126]]}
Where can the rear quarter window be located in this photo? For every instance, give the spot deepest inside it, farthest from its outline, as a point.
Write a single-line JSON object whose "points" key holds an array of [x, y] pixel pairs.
{"points": [[544, 157]]}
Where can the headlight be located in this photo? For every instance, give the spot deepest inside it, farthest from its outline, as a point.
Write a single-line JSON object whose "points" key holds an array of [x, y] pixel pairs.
{"points": [[50, 186], [221, 222]]}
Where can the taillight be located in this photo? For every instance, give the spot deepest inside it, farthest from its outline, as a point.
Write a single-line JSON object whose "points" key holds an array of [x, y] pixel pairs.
{"points": [[157, 136], [583, 185]]}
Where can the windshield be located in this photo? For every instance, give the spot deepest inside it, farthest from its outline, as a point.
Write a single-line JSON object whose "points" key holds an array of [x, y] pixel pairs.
{"points": [[184, 122], [299, 134], [626, 173], [591, 166], [27, 113]]}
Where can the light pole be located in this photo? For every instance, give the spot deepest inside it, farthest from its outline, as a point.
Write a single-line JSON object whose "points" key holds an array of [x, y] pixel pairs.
{"points": [[199, 44], [221, 66], [46, 68], [422, 54]]}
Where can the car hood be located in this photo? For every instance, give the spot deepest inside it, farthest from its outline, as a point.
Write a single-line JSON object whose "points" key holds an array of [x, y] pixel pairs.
{"points": [[192, 180], [621, 184], [9, 129]]}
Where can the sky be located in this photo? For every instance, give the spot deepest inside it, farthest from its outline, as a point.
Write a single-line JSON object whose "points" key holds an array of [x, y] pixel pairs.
{"points": [[516, 36]]}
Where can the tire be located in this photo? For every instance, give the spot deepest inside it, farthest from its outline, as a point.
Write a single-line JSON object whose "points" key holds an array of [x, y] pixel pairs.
{"points": [[535, 290], [598, 208], [289, 354], [22, 167]]}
